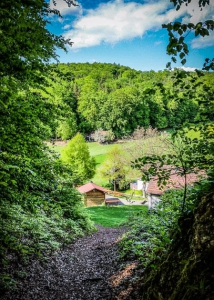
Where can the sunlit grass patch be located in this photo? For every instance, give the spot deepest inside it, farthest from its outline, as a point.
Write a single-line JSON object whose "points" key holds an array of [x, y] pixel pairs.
{"points": [[114, 216], [98, 149], [100, 158]]}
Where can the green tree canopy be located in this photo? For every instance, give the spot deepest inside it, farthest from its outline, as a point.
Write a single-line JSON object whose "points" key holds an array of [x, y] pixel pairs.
{"points": [[37, 202], [26, 45], [99, 97], [114, 167], [76, 154]]}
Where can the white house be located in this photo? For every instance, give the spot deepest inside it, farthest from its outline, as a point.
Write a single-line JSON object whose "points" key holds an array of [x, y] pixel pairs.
{"points": [[139, 185]]}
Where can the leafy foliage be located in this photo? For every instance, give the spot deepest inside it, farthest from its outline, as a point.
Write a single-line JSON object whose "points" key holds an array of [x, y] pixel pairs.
{"points": [[151, 231], [39, 210], [187, 154], [76, 155], [186, 266], [178, 31], [21, 23], [118, 99], [177, 260], [114, 168]]}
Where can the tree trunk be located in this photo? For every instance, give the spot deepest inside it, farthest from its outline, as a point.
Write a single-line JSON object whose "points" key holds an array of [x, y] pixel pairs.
{"points": [[115, 186]]}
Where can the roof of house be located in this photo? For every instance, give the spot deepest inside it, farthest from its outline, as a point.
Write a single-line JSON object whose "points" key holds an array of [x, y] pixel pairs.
{"points": [[175, 182], [89, 187]]}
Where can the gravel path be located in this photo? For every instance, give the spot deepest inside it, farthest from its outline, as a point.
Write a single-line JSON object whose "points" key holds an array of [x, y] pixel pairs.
{"points": [[89, 269]]}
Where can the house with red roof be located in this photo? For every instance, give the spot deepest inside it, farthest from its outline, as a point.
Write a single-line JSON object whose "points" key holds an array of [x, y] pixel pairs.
{"points": [[175, 181], [94, 194]]}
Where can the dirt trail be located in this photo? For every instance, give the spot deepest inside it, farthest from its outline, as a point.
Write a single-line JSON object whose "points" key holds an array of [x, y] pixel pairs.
{"points": [[86, 270]]}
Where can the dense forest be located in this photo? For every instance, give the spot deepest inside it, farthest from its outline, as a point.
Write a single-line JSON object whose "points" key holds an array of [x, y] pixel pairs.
{"points": [[40, 211], [119, 99]]}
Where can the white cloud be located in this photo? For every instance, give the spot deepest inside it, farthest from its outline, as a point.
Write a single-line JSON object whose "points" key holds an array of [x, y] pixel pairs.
{"points": [[196, 15], [66, 26], [158, 43], [62, 6], [115, 21], [188, 69], [203, 42]]}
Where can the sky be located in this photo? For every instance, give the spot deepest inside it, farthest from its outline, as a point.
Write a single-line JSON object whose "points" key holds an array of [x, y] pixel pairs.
{"points": [[128, 33]]}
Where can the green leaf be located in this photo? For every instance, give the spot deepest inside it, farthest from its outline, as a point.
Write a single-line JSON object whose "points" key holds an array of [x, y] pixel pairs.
{"points": [[183, 61], [180, 31], [182, 55]]}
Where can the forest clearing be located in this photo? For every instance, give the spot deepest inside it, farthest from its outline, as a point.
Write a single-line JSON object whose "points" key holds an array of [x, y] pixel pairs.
{"points": [[121, 207]]}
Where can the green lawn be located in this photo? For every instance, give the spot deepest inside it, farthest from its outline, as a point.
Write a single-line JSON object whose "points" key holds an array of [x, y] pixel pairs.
{"points": [[56, 148], [114, 216], [136, 192], [97, 149]]}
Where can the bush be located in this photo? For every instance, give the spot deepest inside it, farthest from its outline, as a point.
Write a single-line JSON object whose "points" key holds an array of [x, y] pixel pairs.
{"points": [[101, 136], [150, 232], [40, 233]]}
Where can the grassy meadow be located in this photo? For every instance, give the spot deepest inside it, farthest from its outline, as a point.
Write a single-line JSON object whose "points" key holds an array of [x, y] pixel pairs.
{"points": [[98, 151], [114, 216]]}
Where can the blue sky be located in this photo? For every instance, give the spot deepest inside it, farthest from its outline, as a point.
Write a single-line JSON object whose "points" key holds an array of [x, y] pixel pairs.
{"points": [[128, 33]]}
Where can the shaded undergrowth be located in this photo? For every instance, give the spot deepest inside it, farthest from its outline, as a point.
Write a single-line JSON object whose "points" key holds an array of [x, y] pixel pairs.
{"points": [[38, 233], [175, 248]]}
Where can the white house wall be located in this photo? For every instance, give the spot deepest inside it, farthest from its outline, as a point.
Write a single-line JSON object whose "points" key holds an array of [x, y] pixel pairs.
{"points": [[152, 200], [140, 185]]}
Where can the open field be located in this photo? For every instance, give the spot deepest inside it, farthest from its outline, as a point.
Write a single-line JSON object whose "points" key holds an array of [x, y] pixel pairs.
{"points": [[114, 216], [99, 152], [100, 149]]}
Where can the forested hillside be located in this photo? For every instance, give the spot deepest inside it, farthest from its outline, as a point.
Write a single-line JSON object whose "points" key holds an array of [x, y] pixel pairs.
{"points": [[119, 99]]}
